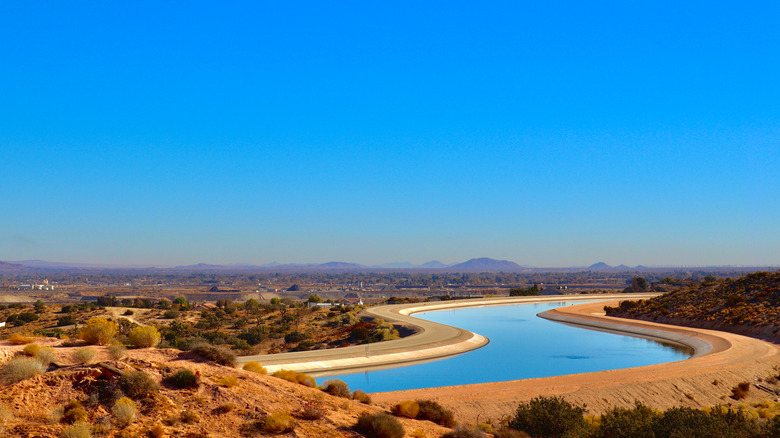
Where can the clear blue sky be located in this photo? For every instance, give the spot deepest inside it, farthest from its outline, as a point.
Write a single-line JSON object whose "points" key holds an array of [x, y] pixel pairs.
{"points": [[547, 133]]}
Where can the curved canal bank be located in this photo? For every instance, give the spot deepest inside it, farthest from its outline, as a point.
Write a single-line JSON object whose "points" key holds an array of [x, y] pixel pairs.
{"points": [[703, 380], [430, 341]]}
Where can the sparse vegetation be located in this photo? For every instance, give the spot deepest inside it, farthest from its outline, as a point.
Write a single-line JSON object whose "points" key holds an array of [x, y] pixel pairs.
{"points": [[278, 422], [255, 367], [98, 331], [433, 411], [361, 396], [138, 385], [336, 387], [84, 355], [465, 432], [125, 411], [21, 368], [313, 411], [144, 337], [549, 417], [379, 425], [117, 350], [292, 376], [406, 408], [740, 391], [78, 430], [183, 379], [220, 355], [226, 381], [17, 339]]}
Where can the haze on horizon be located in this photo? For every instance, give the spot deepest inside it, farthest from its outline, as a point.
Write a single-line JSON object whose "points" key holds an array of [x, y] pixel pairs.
{"points": [[550, 135]]}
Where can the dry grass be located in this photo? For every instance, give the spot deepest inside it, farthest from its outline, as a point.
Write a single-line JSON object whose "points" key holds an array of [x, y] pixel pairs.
{"points": [[78, 430], [361, 396], [407, 409], [255, 367], [226, 381], [21, 368], [84, 355], [125, 411], [278, 422], [17, 339]]}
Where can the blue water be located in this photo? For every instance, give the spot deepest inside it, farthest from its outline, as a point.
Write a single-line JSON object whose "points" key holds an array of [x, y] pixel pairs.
{"points": [[521, 346]]}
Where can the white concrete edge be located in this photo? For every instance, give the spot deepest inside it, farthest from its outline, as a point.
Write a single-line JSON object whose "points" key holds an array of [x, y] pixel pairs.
{"points": [[699, 346]]}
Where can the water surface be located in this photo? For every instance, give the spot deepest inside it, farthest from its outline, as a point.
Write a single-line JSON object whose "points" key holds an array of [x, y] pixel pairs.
{"points": [[521, 346]]}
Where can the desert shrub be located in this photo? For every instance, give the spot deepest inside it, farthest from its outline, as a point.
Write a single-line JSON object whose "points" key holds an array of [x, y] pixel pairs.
{"points": [[73, 412], [406, 408], [740, 391], [98, 331], [183, 379], [45, 355], [220, 355], [171, 314], [687, 422], [313, 411], [20, 368], [278, 422], [418, 433], [31, 349], [224, 408], [361, 396], [549, 417], [84, 355], [138, 384], [129, 312], [66, 320], [124, 411], [379, 425], [117, 350], [464, 432], [189, 417], [292, 376], [336, 387], [620, 422], [433, 411], [255, 367], [226, 381], [78, 430], [17, 339], [144, 336]]}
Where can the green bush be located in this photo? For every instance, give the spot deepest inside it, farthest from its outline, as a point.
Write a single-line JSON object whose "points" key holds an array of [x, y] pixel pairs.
{"points": [[220, 355], [183, 379], [336, 387], [138, 384], [549, 417], [620, 422], [21, 368], [379, 425], [433, 411]]}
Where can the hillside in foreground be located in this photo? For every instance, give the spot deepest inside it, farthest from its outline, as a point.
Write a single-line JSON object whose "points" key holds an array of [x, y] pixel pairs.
{"points": [[226, 401], [748, 305]]}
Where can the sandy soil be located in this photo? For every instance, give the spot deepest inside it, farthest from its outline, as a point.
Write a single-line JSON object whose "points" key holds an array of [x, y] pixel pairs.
{"points": [[696, 382]]}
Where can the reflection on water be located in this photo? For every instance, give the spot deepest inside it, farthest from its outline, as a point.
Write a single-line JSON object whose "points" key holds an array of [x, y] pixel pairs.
{"points": [[521, 346]]}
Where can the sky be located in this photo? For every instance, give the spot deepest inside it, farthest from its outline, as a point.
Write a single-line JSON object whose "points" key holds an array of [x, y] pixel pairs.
{"points": [[551, 133]]}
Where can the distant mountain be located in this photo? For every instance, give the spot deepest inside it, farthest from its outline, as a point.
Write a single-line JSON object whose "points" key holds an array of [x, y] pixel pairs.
{"points": [[71, 265], [599, 265], [393, 265], [200, 266], [434, 264], [12, 267], [485, 264], [340, 265], [623, 268]]}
